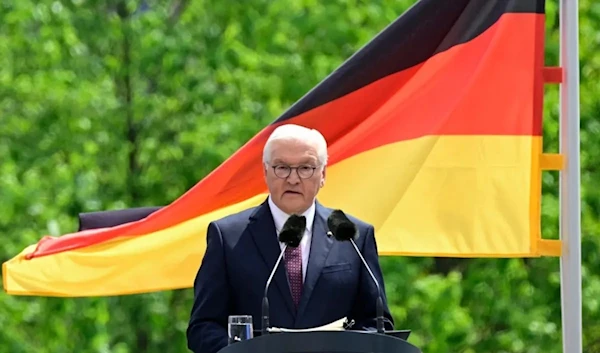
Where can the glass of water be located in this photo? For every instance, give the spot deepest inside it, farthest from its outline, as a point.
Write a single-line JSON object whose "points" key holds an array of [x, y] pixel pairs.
{"points": [[240, 328]]}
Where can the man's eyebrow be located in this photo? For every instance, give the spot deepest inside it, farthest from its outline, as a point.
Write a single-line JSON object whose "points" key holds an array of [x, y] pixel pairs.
{"points": [[308, 161]]}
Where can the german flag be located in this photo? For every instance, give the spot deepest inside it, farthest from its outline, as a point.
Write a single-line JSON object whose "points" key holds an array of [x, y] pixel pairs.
{"points": [[434, 132]]}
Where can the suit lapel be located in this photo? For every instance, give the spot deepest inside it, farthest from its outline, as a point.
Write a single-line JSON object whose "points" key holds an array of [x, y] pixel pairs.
{"points": [[264, 234], [319, 250]]}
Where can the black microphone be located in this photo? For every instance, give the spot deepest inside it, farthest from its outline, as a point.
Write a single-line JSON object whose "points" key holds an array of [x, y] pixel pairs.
{"points": [[343, 229], [291, 234]]}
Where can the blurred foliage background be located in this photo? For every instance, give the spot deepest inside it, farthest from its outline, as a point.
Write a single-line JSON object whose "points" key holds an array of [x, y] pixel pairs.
{"points": [[113, 104]]}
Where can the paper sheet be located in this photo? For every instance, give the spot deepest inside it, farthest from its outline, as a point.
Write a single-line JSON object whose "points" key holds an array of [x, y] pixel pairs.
{"points": [[334, 326]]}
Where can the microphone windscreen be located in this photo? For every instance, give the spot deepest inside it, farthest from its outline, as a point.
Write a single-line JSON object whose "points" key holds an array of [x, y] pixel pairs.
{"points": [[341, 226], [293, 230]]}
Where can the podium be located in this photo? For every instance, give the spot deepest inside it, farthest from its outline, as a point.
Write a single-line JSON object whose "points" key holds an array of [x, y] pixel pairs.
{"points": [[323, 342]]}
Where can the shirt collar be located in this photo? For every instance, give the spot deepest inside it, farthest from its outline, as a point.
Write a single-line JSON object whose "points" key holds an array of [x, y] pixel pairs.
{"points": [[279, 217]]}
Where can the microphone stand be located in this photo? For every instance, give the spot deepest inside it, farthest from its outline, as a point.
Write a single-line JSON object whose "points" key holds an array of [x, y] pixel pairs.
{"points": [[265, 302], [379, 305]]}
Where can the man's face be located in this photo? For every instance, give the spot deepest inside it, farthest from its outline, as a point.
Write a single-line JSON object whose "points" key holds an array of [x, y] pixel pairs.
{"points": [[294, 193]]}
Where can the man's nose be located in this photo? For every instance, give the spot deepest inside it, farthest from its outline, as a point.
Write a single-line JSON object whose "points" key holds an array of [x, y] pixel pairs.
{"points": [[293, 178]]}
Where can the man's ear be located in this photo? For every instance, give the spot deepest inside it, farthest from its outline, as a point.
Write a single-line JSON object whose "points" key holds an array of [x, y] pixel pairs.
{"points": [[323, 176]]}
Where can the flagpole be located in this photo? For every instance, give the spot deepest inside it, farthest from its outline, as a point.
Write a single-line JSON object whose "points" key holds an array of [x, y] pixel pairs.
{"points": [[570, 208]]}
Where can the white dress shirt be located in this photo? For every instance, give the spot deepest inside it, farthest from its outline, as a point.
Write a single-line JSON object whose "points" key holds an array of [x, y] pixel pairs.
{"points": [[279, 217]]}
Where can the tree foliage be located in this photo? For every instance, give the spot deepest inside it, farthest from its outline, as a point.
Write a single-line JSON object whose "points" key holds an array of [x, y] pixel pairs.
{"points": [[114, 104]]}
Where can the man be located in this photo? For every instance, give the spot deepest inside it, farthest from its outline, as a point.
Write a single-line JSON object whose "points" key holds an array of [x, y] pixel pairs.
{"points": [[319, 282]]}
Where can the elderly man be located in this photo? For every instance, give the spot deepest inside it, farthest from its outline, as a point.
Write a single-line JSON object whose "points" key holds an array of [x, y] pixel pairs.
{"points": [[317, 283]]}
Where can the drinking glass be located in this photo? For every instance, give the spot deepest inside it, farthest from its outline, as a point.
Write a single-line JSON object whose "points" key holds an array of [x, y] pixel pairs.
{"points": [[240, 328]]}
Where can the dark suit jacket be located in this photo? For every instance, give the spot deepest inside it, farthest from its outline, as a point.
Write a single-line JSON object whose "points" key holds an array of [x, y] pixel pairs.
{"points": [[242, 250]]}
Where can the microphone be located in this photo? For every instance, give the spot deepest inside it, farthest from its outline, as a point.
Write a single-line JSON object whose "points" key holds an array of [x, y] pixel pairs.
{"points": [[343, 229], [291, 234]]}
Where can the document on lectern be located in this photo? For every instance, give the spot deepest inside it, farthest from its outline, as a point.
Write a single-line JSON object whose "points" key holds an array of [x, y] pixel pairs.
{"points": [[337, 325]]}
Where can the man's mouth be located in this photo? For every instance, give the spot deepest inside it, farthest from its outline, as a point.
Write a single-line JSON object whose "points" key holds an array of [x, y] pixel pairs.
{"points": [[290, 192]]}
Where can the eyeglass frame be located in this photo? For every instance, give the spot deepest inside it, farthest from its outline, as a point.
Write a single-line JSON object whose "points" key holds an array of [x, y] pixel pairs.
{"points": [[297, 170]]}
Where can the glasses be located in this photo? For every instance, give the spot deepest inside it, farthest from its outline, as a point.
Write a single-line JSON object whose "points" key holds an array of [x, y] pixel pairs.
{"points": [[303, 171]]}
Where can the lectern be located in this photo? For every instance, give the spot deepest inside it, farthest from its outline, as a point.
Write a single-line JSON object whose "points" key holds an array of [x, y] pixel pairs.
{"points": [[323, 342]]}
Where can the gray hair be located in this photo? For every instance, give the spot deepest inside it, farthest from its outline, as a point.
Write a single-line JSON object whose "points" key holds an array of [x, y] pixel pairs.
{"points": [[298, 133]]}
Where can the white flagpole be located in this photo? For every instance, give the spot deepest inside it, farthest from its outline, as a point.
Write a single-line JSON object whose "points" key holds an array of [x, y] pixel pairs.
{"points": [[570, 208]]}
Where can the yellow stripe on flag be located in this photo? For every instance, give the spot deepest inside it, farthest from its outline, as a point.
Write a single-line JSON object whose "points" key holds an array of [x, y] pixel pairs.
{"points": [[468, 196]]}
